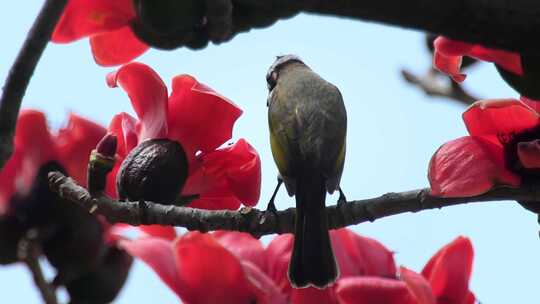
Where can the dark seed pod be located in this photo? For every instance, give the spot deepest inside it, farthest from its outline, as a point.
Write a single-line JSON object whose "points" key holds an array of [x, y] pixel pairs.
{"points": [[167, 24], [155, 170], [527, 84], [104, 283]]}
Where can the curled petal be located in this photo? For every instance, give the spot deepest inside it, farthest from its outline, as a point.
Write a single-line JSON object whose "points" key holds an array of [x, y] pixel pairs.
{"points": [[358, 255], [210, 273], [158, 254], [244, 246], [449, 271], [199, 118], [124, 127], [448, 55], [418, 286], [75, 142], [88, 17], [366, 290], [499, 117], [116, 47], [33, 147], [148, 96], [469, 166], [238, 167]]}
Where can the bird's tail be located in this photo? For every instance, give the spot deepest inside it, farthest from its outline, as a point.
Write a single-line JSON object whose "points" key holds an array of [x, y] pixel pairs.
{"points": [[312, 261]]}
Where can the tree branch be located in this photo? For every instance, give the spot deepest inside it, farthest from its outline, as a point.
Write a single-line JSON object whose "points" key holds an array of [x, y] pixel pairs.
{"points": [[22, 70], [29, 253], [511, 25], [434, 88], [259, 222]]}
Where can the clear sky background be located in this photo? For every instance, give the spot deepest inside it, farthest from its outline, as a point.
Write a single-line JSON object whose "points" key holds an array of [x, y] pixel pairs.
{"points": [[393, 131]]}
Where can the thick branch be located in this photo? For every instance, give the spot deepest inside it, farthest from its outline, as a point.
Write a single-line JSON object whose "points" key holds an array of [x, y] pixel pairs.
{"points": [[22, 70], [258, 222], [511, 25]]}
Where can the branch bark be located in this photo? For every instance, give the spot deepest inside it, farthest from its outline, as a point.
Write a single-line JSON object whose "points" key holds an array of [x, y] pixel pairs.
{"points": [[511, 25], [22, 70], [258, 222], [433, 87]]}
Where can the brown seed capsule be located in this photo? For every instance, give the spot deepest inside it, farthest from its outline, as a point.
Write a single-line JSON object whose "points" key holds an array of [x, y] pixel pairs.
{"points": [[155, 170]]}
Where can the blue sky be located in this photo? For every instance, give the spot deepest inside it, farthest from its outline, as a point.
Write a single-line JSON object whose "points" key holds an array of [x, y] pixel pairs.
{"points": [[393, 131]]}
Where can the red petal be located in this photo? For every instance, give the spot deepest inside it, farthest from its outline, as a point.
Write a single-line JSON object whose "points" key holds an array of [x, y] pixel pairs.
{"points": [[75, 142], [116, 47], [210, 273], [124, 127], [533, 104], [367, 290], [358, 255], [33, 147], [265, 289], [469, 166], [499, 117], [278, 254], [159, 255], [314, 295], [236, 169], [164, 232], [448, 55], [244, 246], [87, 17], [199, 118], [529, 154], [449, 271], [418, 286], [148, 96]]}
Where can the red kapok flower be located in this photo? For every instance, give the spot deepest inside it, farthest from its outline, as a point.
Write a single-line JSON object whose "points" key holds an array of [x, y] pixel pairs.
{"points": [[34, 146], [500, 150], [201, 121], [449, 53], [107, 23], [200, 267], [444, 280], [222, 267]]}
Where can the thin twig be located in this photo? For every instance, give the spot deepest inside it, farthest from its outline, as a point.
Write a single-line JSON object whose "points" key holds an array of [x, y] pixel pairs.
{"points": [[22, 70], [259, 222], [432, 86], [29, 253]]}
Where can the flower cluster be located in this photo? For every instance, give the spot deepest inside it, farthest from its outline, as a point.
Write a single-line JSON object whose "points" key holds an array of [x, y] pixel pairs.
{"points": [[198, 119], [75, 242], [234, 267]]}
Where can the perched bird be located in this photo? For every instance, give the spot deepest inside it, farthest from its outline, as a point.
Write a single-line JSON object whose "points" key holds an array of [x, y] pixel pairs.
{"points": [[308, 125]]}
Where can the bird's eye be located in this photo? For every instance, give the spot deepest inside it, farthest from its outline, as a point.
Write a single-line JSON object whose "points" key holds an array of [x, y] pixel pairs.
{"points": [[271, 80]]}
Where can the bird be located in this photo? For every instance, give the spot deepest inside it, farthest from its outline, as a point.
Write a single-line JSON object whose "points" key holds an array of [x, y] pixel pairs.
{"points": [[308, 125]]}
